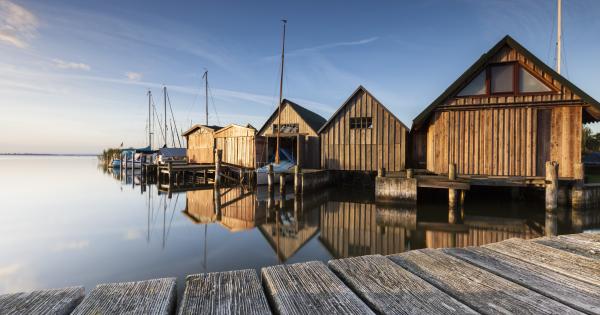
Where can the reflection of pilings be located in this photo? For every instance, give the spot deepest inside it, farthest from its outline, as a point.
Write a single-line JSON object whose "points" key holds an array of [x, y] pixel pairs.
{"points": [[217, 200]]}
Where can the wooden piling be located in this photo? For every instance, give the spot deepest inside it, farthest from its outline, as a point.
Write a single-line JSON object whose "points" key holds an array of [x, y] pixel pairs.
{"points": [[452, 193], [409, 173], [381, 172], [217, 168], [270, 177], [551, 185], [282, 183], [577, 192], [297, 180]]}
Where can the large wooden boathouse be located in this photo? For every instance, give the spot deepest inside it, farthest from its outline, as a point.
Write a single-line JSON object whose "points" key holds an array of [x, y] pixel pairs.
{"points": [[507, 115], [363, 135], [200, 141], [298, 129]]}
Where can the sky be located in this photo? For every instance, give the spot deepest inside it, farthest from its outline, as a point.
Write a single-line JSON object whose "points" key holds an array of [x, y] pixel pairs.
{"points": [[74, 75]]}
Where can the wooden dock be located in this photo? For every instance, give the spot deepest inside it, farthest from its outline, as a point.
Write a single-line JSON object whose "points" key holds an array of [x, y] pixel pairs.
{"points": [[548, 275]]}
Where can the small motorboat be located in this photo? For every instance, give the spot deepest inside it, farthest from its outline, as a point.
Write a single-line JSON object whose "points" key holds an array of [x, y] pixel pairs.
{"points": [[262, 173]]}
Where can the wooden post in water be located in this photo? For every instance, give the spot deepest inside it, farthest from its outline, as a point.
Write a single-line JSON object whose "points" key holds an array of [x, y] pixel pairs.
{"points": [[381, 172], [452, 193], [409, 173], [282, 183], [270, 177], [551, 185], [577, 192], [217, 168], [297, 180]]}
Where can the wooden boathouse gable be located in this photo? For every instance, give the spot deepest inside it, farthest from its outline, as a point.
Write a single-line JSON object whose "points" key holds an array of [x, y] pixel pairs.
{"points": [[507, 115], [201, 144], [299, 127], [240, 146], [363, 135]]}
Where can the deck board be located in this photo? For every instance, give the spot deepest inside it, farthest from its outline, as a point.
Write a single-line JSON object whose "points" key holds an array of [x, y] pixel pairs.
{"points": [[572, 245], [572, 292], [589, 237], [481, 290], [309, 288], [572, 265], [156, 296], [389, 289], [52, 301], [232, 292]]}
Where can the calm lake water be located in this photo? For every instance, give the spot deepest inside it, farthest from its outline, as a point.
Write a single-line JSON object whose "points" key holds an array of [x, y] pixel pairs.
{"points": [[66, 222]]}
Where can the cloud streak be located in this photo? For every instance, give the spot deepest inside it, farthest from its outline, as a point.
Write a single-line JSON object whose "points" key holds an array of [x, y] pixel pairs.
{"points": [[61, 64], [17, 24], [134, 76], [310, 50]]}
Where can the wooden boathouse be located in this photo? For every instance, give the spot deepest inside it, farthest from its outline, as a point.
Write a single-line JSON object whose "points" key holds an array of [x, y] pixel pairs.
{"points": [[240, 146], [200, 141], [298, 132], [363, 135], [507, 115]]}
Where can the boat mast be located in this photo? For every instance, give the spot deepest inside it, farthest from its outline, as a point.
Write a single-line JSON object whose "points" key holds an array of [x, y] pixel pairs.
{"points": [[150, 119], [558, 36], [165, 100], [205, 77], [280, 94]]}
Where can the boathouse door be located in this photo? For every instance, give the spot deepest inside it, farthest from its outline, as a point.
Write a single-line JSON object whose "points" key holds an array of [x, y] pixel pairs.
{"points": [[544, 118]]}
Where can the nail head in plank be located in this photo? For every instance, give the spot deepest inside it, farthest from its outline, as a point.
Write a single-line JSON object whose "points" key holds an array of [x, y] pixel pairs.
{"points": [[475, 287], [52, 301], [389, 289], [157, 296], [571, 245], [232, 292], [572, 265], [572, 292], [309, 288]]}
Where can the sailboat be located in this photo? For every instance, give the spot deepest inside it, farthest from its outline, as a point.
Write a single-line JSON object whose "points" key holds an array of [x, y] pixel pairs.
{"points": [[288, 163]]}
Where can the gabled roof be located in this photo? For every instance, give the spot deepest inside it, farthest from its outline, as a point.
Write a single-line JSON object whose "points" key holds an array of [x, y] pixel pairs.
{"points": [[506, 41], [223, 129], [198, 126], [312, 119], [360, 88]]}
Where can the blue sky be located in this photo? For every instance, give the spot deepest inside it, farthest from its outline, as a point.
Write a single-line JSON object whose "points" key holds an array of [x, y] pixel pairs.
{"points": [[74, 74]]}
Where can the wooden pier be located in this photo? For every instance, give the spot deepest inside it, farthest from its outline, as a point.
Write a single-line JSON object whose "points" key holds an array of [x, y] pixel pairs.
{"points": [[548, 275]]}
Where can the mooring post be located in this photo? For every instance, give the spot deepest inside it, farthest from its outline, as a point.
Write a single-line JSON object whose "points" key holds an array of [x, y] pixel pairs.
{"points": [[452, 194], [409, 173], [577, 192], [217, 168], [217, 201], [297, 179], [551, 185], [270, 177], [282, 183], [170, 170], [381, 172]]}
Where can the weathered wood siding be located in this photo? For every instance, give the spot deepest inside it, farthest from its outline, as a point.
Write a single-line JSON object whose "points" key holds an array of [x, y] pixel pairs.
{"points": [[201, 146], [364, 149], [238, 145], [512, 135]]}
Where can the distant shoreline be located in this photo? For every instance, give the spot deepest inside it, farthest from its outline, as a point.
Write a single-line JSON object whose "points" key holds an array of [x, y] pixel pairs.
{"points": [[47, 154]]}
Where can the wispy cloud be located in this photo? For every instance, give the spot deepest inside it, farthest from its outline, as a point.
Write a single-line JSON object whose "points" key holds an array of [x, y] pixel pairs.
{"points": [[17, 24], [71, 65], [134, 76], [73, 245], [309, 50], [11, 269]]}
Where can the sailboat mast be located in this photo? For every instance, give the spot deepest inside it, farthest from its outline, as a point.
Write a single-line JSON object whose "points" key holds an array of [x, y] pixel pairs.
{"points": [[165, 103], [558, 36], [205, 76], [150, 119], [280, 94]]}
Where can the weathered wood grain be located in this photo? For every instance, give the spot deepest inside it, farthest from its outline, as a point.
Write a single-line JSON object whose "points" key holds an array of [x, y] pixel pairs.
{"points": [[309, 288], [52, 301], [572, 265], [572, 292], [589, 237], [232, 292], [475, 287], [572, 245], [157, 296], [389, 289]]}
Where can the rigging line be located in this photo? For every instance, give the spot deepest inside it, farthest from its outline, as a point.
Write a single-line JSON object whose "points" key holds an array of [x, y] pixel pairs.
{"points": [[550, 46], [157, 117], [212, 98], [564, 54], [172, 135], [172, 214], [173, 118]]}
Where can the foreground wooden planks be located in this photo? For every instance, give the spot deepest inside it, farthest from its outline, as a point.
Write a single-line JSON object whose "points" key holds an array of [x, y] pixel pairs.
{"points": [[588, 237], [232, 292], [156, 296], [572, 245], [309, 288], [572, 265], [389, 289], [53, 301], [575, 293], [475, 287]]}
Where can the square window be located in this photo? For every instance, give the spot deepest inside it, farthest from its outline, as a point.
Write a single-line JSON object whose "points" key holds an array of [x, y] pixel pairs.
{"points": [[502, 77]]}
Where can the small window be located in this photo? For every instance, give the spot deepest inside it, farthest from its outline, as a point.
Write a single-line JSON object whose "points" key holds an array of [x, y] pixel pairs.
{"points": [[286, 128], [502, 77], [528, 83], [475, 87], [361, 123]]}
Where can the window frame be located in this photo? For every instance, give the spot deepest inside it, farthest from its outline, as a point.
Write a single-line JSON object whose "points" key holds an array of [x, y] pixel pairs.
{"points": [[360, 122]]}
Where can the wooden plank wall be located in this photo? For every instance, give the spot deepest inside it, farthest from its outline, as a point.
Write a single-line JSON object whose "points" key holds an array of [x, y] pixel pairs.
{"points": [[288, 116], [382, 146], [350, 229], [200, 146], [238, 145], [505, 141]]}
